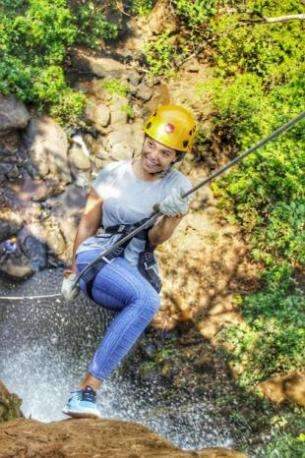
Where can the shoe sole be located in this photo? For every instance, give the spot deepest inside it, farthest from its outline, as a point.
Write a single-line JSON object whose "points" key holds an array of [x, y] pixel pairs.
{"points": [[74, 414]]}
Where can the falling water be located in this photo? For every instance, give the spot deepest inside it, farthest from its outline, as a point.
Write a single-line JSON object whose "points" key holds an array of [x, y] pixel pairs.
{"points": [[45, 347]]}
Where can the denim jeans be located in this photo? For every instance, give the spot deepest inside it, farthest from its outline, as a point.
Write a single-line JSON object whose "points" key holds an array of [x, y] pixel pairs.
{"points": [[119, 286]]}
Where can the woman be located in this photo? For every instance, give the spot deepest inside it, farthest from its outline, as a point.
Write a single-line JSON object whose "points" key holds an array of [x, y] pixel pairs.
{"points": [[125, 192]]}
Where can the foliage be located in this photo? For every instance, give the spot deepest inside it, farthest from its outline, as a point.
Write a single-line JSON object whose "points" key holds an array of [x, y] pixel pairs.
{"points": [[196, 12], [93, 25], [35, 37], [115, 87], [259, 86], [272, 339], [286, 446], [142, 7], [160, 54]]}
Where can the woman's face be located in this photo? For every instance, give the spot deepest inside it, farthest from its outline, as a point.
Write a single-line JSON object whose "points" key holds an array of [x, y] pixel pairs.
{"points": [[156, 157]]}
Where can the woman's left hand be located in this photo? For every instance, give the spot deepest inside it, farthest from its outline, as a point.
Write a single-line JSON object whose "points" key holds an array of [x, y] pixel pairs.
{"points": [[68, 290], [174, 204]]}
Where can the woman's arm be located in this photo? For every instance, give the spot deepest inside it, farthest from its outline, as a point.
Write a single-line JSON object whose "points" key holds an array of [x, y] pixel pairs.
{"points": [[163, 229], [88, 225]]}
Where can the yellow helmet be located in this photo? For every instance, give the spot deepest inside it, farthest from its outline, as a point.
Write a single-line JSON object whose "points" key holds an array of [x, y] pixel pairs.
{"points": [[173, 126]]}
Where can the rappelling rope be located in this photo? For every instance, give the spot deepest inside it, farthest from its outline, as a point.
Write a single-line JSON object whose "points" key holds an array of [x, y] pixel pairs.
{"points": [[156, 214], [19, 298]]}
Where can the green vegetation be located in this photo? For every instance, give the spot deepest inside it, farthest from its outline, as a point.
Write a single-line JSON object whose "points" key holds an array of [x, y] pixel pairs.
{"points": [[285, 446], [195, 13], [115, 87], [93, 26], [258, 85], [160, 55], [142, 7], [35, 38]]}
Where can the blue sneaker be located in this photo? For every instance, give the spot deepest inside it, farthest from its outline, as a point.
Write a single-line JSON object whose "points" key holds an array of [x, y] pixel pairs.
{"points": [[82, 404]]}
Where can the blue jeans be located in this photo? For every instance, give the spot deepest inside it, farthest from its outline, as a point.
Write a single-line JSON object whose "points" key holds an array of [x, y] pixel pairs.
{"points": [[119, 286]]}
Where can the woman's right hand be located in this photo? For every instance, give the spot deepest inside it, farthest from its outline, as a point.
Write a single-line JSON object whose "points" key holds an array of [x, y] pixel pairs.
{"points": [[68, 290]]}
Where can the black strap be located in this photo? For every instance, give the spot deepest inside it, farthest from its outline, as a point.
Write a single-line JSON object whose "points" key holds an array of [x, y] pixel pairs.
{"points": [[122, 229], [125, 229]]}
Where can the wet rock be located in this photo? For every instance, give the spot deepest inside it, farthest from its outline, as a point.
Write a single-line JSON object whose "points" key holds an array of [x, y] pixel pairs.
{"points": [[78, 159], [99, 66], [119, 110], [285, 387], [144, 92], [121, 151], [294, 388], [38, 190], [13, 114], [33, 248], [119, 143], [13, 173], [134, 77], [54, 237], [98, 113], [83, 179], [13, 261], [111, 438], [7, 229], [162, 18], [5, 168], [47, 147], [149, 349], [9, 404]]}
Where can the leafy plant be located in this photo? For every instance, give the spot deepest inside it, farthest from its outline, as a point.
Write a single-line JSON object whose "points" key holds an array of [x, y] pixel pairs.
{"points": [[115, 87], [93, 25], [142, 7], [160, 54]]}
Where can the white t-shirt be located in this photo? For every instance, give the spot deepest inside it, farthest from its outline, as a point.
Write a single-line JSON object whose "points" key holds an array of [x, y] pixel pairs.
{"points": [[128, 199]]}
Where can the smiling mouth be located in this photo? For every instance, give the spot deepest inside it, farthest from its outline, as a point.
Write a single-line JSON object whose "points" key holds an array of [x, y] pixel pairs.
{"points": [[151, 164]]}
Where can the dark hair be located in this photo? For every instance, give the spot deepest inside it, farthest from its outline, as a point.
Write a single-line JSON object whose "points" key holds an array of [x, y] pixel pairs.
{"points": [[179, 156]]}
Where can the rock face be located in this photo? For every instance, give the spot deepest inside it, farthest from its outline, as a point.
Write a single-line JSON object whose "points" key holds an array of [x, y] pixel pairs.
{"points": [[13, 114], [9, 405], [285, 387], [91, 438], [47, 146]]}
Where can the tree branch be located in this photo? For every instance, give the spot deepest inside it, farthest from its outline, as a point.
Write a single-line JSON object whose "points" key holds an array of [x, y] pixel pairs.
{"points": [[273, 20]]}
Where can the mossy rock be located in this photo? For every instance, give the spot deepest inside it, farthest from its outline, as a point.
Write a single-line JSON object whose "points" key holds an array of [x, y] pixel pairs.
{"points": [[9, 405]]}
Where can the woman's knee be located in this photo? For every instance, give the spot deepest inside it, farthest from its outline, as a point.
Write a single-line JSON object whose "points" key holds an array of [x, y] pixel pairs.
{"points": [[149, 299]]}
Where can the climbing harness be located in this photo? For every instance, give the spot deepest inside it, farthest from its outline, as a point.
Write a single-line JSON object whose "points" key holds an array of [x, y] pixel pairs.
{"points": [[147, 264], [149, 222]]}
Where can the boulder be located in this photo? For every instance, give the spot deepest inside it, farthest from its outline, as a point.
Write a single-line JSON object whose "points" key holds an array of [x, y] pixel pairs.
{"points": [[285, 387], [119, 110], [99, 66], [37, 189], [47, 147], [98, 113], [9, 404], [113, 438], [33, 247], [7, 229], [144, 92], [162, 18], [13, 114], [134, 77], [78, 158], [13, 262], [123, 142], [119, 142]]}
